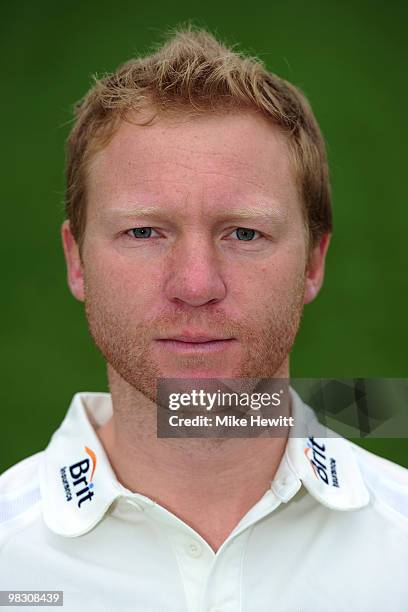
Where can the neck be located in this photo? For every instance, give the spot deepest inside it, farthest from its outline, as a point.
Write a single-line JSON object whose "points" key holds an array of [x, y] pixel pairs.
{"points": [[179, 474]]}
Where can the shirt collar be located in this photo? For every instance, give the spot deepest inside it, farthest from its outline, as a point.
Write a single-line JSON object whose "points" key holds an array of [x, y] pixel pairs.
{"points": [[78, 485], [77, 482], [320, 459]]}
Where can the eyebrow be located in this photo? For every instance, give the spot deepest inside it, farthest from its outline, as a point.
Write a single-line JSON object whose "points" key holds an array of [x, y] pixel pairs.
{"points": [[272, 213]]}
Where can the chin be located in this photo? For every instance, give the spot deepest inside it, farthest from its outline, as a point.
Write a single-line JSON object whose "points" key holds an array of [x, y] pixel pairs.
{"points": [[197, 373]]}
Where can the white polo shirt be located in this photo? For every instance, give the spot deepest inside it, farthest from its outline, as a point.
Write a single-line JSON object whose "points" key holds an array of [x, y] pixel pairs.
{"points": [[329, 535]]}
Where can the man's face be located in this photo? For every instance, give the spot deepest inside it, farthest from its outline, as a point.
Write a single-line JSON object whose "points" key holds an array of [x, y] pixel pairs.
{"points": [[164, 260]]}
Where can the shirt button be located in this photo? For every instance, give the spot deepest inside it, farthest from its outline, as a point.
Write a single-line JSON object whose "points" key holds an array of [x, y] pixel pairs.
{"points": [[194, 549], [284, 482]]}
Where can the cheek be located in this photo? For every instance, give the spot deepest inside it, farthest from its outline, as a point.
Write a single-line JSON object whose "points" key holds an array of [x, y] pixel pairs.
{"points": [[122, 287], [271, 283]]}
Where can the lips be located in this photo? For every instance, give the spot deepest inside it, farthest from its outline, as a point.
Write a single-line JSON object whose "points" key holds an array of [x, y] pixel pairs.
{"points": [[192, 343], [195, 338]]}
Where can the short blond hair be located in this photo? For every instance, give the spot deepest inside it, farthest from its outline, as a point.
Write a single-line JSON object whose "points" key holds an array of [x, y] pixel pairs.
{"points": [[193, 73]]}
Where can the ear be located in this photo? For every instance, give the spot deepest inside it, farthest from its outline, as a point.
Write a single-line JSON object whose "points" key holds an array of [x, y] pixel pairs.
{"points": [[315, 271], [73, 261]]}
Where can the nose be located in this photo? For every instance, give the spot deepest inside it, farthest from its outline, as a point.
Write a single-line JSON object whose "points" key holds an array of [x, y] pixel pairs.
{"points": [[194, 273]]}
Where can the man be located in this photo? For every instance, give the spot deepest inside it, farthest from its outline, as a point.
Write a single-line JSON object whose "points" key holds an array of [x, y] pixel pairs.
{"points": [[198, 220]]}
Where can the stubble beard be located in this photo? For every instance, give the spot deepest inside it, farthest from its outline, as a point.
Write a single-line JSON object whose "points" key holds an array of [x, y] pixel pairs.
{"points": [[126, 346]]}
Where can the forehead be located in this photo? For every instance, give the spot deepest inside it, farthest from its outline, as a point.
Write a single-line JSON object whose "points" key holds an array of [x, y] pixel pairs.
{"points": [[207, 160]]}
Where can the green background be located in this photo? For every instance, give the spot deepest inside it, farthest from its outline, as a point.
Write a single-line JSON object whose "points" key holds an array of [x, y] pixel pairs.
{"points": [[349, 57]]}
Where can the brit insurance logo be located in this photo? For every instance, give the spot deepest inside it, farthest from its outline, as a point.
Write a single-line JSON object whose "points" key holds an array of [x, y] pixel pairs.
{"points": [[324, 468], [77, 479]]}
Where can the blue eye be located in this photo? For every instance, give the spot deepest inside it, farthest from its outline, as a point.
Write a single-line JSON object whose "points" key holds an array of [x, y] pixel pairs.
{"points": [[244, 233], [141, 232]]}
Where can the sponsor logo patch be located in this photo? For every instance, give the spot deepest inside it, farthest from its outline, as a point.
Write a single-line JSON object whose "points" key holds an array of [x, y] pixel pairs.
{"points": [[324, 468], [77, 478]]}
